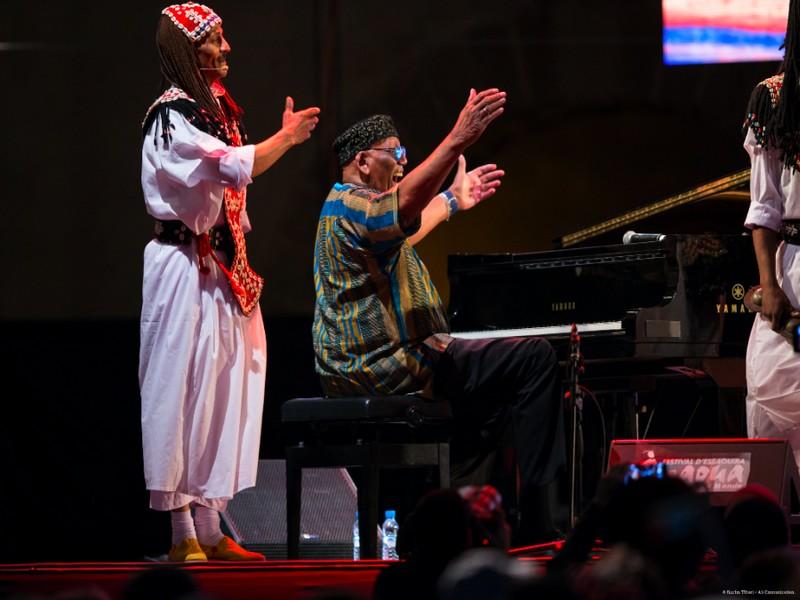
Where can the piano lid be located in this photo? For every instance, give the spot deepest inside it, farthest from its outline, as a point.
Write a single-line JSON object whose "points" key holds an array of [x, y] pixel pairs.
{"points": [[719, 206]]}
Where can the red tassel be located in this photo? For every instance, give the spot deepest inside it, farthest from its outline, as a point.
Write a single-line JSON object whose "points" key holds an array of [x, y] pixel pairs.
{"points": [[203, 250]]}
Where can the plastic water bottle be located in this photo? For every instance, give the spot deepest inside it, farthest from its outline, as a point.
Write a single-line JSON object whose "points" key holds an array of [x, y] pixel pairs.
{"points": [[389, 531], [356, 540]]}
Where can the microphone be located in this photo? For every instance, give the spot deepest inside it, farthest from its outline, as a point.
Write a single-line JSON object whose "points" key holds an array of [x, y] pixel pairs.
{"points": [[211, 68], [632, 237]]}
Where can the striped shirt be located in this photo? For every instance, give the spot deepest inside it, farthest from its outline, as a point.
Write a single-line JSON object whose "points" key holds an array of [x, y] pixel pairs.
{"points": [[376, 303]]}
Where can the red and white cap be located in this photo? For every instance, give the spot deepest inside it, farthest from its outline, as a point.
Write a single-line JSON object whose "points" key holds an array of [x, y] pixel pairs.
{"points": [[195, 20]]}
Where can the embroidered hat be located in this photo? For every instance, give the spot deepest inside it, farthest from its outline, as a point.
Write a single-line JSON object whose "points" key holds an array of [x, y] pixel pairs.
{"points": [[362, 135], [195, 20]]}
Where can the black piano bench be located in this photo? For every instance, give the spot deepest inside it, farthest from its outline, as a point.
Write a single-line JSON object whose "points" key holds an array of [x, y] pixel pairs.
{"points": [[368, 432]]}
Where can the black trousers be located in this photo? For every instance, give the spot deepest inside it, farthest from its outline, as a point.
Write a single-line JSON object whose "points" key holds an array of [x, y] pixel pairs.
{"points": [[487, 382]]}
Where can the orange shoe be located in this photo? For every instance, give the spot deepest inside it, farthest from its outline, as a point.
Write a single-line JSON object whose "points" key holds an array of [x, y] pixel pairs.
{"points": [[188, 550], [227, 549]]}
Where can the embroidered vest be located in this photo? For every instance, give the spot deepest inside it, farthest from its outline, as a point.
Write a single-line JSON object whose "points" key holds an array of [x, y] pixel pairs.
{"points": [[244, 282]]}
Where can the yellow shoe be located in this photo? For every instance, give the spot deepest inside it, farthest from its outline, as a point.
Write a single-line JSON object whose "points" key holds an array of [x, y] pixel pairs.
{"points": [[227, 549], [187, 551]]}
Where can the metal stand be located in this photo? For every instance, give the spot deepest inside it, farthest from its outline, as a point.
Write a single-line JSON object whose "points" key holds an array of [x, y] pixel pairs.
{"points": [[574, 399]]}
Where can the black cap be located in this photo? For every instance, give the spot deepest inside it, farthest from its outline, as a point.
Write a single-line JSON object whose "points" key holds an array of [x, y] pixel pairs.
{"points": [[362, 135]]}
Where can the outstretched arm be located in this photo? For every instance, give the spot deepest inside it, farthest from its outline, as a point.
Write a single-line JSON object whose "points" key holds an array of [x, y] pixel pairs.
{"points": [[296, 129], [419, 187], [468, 188]]}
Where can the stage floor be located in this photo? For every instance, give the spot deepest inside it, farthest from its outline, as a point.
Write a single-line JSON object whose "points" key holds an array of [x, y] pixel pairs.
{"points": [[287, 580]]}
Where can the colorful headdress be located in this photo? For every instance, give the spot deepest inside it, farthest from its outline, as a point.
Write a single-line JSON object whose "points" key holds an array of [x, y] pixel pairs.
{"points": [[195, 20], [362, 135]]}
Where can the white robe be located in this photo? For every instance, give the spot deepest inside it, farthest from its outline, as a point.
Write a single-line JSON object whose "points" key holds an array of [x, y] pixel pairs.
{"points": [[202, 364], [773, 368]]}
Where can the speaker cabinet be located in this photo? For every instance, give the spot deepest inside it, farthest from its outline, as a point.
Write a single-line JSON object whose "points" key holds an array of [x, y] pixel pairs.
{"points": [[721, 466], [256, 517]]}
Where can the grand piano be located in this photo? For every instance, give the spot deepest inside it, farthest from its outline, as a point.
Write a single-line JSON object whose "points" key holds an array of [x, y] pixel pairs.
{"points": [[662, 323], [680, 297], [642, 309]]}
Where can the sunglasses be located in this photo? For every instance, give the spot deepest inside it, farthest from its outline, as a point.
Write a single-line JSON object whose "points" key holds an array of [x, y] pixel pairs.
{"points": [[399, 152]]}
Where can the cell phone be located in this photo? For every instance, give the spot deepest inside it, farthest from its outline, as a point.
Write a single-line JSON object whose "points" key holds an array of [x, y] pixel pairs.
{"points": [[658, 470]]}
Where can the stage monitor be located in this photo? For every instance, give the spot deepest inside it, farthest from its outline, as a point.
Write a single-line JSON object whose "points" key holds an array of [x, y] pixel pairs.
{"points": [[723, 31], [721, 467]]}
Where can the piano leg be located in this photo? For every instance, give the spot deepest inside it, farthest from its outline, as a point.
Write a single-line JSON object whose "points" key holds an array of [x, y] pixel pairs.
{"points": [[732, 417], [624, 418]]}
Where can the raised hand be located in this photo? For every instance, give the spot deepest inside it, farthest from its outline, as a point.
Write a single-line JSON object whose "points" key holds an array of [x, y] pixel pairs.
{"points": [[481, 109], [474, 186], [299, 125]]}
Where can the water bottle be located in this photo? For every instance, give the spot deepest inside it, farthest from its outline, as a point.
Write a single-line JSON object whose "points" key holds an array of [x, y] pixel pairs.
{"points": [[389, 531], [356, 540]]}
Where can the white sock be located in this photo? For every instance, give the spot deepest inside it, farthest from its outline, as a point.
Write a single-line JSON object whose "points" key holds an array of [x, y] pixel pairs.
{"points": [[207, 522], [182, 526]]}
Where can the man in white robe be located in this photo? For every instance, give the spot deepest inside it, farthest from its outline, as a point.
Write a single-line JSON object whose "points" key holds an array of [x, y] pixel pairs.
{"points": [[773, 367], [203, 354]]}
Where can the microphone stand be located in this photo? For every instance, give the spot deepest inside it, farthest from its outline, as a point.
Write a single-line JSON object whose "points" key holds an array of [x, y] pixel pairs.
{"points": [[574, 400]]}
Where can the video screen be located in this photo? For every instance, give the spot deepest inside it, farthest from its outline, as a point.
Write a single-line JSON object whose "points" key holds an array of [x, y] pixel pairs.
{"points": [[723, 31]]}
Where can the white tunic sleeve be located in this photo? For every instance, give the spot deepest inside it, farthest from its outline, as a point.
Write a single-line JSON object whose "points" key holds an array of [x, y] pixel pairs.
{"points": [[185, 179], [766, 192]]}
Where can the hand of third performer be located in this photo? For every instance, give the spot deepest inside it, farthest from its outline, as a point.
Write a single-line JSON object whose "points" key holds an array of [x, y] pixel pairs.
{"points": [[474, 186], [481, 109], [298, 125], [775, 306]]}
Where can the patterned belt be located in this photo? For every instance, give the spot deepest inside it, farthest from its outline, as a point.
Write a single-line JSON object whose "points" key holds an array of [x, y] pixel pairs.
{"points": [[791, 231], [176, 233]]}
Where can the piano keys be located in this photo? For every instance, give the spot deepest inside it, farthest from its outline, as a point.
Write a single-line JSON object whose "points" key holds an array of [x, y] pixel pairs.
{"points": [[606, 327]]}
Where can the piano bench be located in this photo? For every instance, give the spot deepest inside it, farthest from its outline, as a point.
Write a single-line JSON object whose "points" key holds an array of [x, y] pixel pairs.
{"points": [[368, 432]]}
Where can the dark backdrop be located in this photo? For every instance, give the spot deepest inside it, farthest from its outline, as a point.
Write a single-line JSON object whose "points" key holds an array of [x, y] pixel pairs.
{"points": [[595, 125]]}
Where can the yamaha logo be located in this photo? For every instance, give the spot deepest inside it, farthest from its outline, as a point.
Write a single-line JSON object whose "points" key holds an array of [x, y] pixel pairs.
{"points": [[737, 306]]}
